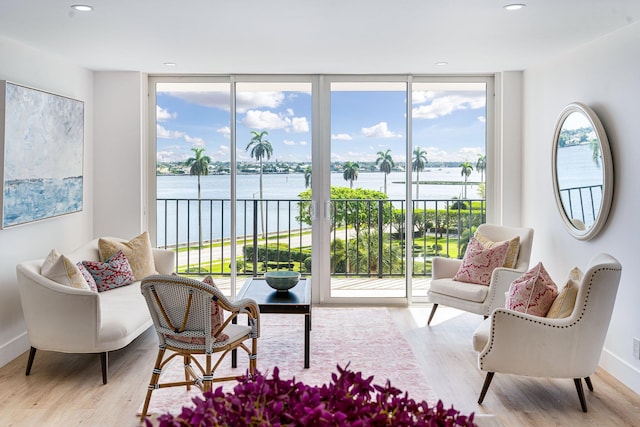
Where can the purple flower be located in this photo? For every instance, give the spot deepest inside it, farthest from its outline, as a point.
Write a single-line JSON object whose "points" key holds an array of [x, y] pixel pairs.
{"points": [[349, 399]]}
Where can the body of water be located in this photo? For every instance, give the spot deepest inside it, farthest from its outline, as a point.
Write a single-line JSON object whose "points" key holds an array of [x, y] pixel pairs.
{"points": [[276, 215]]}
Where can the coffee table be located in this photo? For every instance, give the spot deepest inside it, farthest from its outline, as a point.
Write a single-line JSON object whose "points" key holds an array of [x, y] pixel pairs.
{"points": [[296, 300]]}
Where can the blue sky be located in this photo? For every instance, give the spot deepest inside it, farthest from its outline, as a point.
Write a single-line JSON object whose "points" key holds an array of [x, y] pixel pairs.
{"points": [[448, 123]]}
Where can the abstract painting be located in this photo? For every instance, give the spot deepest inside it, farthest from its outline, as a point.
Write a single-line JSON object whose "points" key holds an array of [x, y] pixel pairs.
{"points": [[42, 136]]}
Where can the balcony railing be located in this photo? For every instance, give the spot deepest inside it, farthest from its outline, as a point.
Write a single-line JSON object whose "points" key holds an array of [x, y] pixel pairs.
{"points": [[582, 202], [368, 236]]}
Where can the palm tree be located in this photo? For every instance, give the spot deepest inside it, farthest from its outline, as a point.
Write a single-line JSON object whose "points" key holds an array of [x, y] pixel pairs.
{"points": [[307, 177], [199, 165], [481, 165], [260, 148], [350, 172], [466, 171], [385, 163], [419, 162]]}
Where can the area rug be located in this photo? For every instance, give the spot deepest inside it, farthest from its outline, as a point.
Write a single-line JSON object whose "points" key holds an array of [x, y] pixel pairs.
{"points": [[366, 338]]}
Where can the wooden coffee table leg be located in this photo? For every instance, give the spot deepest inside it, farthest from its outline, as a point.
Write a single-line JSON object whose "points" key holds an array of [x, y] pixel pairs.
{"points": [[307, 329]]}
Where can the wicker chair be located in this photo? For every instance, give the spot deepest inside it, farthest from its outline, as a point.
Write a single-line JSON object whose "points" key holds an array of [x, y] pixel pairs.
{"points": [[181, 308]]}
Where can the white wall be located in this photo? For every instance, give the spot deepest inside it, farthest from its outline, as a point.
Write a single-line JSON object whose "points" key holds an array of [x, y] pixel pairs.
{"points": [[120, 153], [23, 65], [605, 76]]}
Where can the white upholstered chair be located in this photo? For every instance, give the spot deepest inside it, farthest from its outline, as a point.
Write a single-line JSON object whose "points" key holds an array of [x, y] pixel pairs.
{"points": [[181, 309], [477, 298], [522, 344]]}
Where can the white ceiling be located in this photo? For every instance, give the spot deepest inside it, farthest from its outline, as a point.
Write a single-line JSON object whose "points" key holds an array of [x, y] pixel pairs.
{"points": [[311, 36]]}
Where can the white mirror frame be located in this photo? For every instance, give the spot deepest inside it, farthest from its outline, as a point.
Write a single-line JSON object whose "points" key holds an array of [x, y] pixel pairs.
{"points": [[607, 172]]}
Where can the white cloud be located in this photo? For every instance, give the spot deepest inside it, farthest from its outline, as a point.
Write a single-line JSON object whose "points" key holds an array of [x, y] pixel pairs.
{"points": [[446, 105], [341, 137], [263, 119], [163, 133], [223, 149], [207, 99], [288, 142], [303, 142], [260, 119], [251, 100], [299, 124], [470, 154], [290, 111], [225, 132], [381, 130], [464, 154], [165, 156], [162, 114], [221, 100], [482, 119], [199, 142], [422, 96]]}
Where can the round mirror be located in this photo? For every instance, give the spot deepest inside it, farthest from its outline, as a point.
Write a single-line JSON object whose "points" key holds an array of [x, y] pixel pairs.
{"points": [[582, 171]]}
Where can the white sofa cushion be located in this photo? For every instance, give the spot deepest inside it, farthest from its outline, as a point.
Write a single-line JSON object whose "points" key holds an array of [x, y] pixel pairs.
{"points": [[460, 290]]}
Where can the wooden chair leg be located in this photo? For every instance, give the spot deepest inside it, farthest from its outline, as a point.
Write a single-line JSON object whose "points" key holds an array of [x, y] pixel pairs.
{"points": [[583, 402], [589, 385], [104, 362], [485, 386], [153, 383], [32, 355], [433, 311]]}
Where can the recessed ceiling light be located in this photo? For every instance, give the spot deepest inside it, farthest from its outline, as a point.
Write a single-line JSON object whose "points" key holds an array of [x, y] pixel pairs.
{"points": [[515, 6], [169, 64], [82, 7], [441, 63]]}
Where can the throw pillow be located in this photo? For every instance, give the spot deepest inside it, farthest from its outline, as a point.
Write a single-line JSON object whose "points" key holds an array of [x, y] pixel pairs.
{"points": [[62, 270], [113, 273], [138, 252], [87, 276], [533, 292], [217, 319], [479, 262], [565, 301], [512, 253]]}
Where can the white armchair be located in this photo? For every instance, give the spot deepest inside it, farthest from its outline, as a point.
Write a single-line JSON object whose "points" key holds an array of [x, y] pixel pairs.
{"points": [[478, 298], [523, 344]]}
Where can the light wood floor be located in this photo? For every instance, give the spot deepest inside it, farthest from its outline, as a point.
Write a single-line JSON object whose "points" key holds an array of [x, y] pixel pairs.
{"points": [[66, 389]]}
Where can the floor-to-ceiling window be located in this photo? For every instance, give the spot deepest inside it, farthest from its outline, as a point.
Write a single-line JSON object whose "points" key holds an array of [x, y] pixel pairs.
{"points": [[358, 181], [449, 161]]}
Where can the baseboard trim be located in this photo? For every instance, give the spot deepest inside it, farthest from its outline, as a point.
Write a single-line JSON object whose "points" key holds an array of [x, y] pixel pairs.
{"points": [[621, 370], [14, 348]]}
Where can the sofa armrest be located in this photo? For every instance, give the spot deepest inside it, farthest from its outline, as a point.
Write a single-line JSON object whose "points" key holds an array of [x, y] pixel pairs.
{"points": [[445, 267], [165, 260], [58, 317]]}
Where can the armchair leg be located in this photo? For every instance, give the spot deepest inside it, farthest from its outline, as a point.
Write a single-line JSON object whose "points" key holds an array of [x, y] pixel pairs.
{"points": [[589, 385], [32, 355], [485, 386], [104, 362], [583, 402], [433, 311]]}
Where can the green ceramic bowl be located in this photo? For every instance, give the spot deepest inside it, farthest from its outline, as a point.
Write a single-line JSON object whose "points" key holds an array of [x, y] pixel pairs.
{"points": [[282, 280]]}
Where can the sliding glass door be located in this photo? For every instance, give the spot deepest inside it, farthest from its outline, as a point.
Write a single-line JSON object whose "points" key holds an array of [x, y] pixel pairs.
{"points": [[368, 188], [358, 181]]}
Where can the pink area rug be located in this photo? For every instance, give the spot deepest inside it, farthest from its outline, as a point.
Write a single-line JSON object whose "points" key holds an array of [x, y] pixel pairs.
{"points": [[365, 337]]}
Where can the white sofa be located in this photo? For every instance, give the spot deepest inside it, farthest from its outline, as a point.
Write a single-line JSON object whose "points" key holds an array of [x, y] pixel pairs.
{"points": [[69, 320]]}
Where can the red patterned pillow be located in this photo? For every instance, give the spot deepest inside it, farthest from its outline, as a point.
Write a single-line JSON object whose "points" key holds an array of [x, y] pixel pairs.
{"points": [[532, 293], [87, 276], [217, 319], [479, 262], [112, 273]]}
